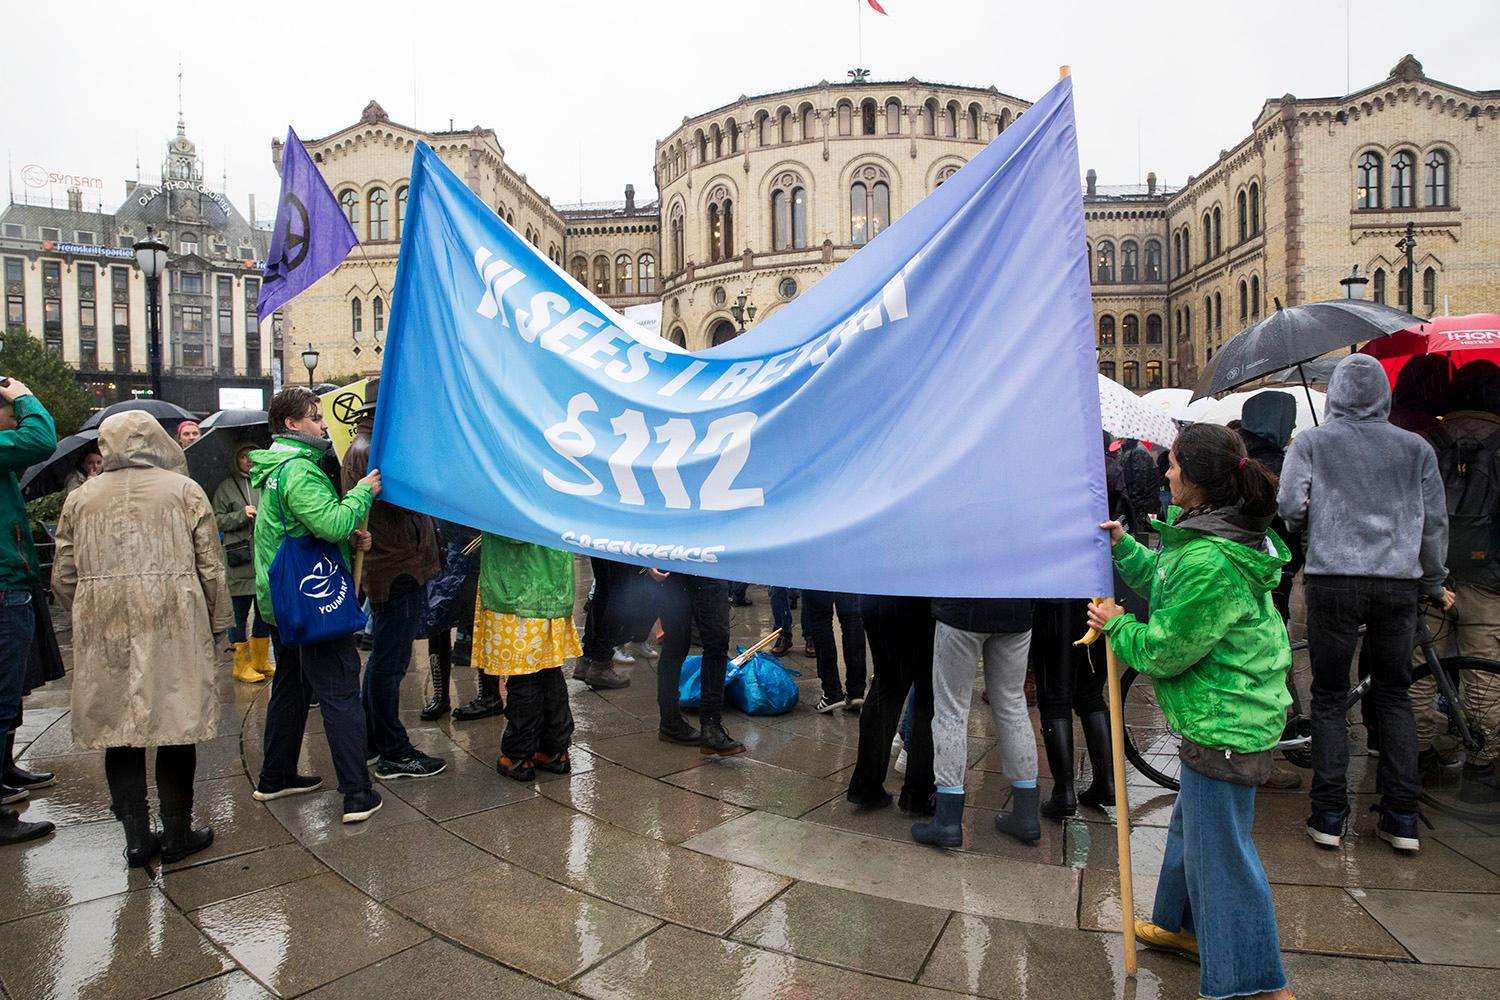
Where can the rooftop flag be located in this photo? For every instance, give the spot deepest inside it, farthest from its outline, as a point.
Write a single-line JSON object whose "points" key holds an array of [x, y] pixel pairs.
{"points": [[876, 4], [312, 234]]}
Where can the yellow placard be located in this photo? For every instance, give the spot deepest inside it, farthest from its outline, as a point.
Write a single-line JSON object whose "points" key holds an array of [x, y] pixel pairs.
{"points": [[338, 410]]}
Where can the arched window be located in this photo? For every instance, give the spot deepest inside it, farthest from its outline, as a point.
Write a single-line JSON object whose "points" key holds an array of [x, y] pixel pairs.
{"points": [[867, 115], [579, 268], [973, 121], [1106, 264], [1241, 202], [1132, 330], [1254, 208], [1437, 179], [1177, 253], [732, 133], [1129, 262], [950, 120], [1368, 180], [785, 123], [1107, 369], [678, 337], [1187, 323], [1218, 231], [377, 312], [893, 117], [1153, 329], [675, 227], [356, 316], [601, 275], [1403, 166], [1403, 289], [1153, 374], [1132, 375], [1218, 315], [1187, 249], [1208, 235], [809, 119], [1153, 260], [1244, 302], [846, 118], [702, 141], [1177, 323], [1106, 331], [1208, 316], [647, 273], [720, 224], [1378, 285], [788, 212], [1429, 290], [1255, 296], [763, 128], [717, 134], [624, 274], [349, 202], [869, 204], [722, 333], [929, 117], [401, 193], [943, 175], [1004, 119]]}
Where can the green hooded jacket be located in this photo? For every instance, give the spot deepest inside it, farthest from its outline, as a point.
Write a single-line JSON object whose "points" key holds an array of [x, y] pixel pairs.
{"points": [[525, 580], [1215, 647], [312, 507], [31, 442]]}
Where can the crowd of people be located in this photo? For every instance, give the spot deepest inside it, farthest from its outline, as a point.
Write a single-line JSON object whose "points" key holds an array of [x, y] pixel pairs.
{"points": [[1206, 537]]}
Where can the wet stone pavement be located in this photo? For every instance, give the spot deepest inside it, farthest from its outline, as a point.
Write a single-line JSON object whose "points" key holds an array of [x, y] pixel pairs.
{"points": [[653, 872]]}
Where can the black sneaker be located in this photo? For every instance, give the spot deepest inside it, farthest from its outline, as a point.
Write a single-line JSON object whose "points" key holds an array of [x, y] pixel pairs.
{"points": [[9, 795], [361, 805], [717, 742], [1397, 829], [418, 765], [15, 830], [682, 733], [826, 705], [1326, 828], [19, 777], [295, 785]]}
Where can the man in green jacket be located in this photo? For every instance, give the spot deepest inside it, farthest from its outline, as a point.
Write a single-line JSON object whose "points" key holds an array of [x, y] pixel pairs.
{"points": [[297, 498], [27, 436]]}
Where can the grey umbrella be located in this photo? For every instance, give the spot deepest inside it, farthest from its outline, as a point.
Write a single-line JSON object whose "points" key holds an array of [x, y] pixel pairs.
{"points": [[233, 418], [47, 475], [208, 457], [1316, 372], [169, 415]]}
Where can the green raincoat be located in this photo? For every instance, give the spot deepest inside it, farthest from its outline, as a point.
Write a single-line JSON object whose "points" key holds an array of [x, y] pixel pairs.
{"points": [[525, 580], [1215, 647]]}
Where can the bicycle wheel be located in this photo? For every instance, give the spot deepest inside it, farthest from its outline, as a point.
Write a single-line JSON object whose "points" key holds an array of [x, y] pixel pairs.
{"points": [[1455, 667], [1150, 746]]}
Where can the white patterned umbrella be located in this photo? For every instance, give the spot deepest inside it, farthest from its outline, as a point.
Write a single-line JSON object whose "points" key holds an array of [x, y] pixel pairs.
{"points": [[1126, 415]]}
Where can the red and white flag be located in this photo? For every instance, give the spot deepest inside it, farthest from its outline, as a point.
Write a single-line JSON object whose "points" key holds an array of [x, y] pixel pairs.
{"points": [[876, 4]]}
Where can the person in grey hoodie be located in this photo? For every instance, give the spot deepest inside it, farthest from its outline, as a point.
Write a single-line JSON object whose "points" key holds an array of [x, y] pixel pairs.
{"points": [[1369, 500]]}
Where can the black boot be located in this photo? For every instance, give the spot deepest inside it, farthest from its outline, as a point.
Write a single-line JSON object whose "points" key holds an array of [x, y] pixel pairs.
{"points": [[1022, 822], [141, 842], [717, 742], [487, 704], [179, 839], [15, 830], [18, 777], [947, 826], [1101, 791], [1057, 736], [440, 666]]}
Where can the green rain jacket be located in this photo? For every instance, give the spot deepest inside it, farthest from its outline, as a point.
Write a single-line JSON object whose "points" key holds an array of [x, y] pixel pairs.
{"points": [[32, 441], [1215, 647], [525, 580], [312, 507]]}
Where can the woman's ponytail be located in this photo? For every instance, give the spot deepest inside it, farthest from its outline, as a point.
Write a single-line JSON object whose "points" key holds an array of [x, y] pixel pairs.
{"points": [[1213, 458]]}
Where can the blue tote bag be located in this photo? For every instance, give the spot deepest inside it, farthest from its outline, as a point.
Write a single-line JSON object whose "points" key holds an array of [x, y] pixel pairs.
{"points": [[312, 593]]}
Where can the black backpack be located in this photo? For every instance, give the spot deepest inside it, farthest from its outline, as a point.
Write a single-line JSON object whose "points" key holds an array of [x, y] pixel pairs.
{"points": [[1471, 479]]}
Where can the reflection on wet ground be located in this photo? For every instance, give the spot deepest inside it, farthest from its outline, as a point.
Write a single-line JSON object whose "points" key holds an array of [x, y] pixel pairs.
{"points": [[652, 872]]}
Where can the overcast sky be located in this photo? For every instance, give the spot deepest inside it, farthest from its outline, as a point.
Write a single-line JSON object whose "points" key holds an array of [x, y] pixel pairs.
{"points": [[578, 91]]}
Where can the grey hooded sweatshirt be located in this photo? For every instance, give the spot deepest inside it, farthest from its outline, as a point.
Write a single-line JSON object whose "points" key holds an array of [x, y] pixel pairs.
{"points": [[1366, 494]]}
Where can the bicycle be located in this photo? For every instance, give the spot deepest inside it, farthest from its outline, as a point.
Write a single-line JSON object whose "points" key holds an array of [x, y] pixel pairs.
{"points": [[1152, 748]]}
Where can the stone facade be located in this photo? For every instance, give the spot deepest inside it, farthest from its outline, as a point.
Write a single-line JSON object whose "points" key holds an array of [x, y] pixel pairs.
{"points": [[614, 249]]}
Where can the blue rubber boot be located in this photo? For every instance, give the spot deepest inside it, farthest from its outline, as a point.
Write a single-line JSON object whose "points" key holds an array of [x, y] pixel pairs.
{"points": [[946, 828]]}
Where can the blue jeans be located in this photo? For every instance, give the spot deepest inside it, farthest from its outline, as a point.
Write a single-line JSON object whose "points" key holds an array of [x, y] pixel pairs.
{"points": [[17, 625], [781, 611], [395, 623], [243, 607], [1212, 885]]}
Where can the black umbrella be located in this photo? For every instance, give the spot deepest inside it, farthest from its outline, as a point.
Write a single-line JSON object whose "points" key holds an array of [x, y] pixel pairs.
{"points": [[1289, 337], [233, 418], [47, 476], [1316, 372], [169, 415], [208, 457]]}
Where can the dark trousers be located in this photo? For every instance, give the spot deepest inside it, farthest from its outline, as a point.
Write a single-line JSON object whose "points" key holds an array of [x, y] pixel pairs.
{"points": [[687, 601], [1336, 607], [605, 620], [17, 627], [537, 716], [125, 771], [900, 631], [396, 622], [1066, 681], [244, 607], [821, 605], [781, 611], [329, 671]]}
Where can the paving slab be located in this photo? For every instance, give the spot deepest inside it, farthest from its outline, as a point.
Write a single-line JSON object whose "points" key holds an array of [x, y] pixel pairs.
{"points": [[645, 754], [754, 785], [980, 835], [198, 886], [73, 865], [231, 986], [435, 970], [404, 858], [1441, 928], [468, 785], [240, 823], [1322, 976], [318, 816], [525, 921], [152, 950], [623, 798]]}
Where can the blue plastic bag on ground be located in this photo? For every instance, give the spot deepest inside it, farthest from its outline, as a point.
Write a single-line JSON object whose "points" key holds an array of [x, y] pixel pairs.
{"points": [[762, 686], [690, 686]]}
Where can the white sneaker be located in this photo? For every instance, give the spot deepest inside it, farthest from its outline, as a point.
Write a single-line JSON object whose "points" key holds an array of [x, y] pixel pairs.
{"points": [[900, 766], [642, 650], [622, 656]]}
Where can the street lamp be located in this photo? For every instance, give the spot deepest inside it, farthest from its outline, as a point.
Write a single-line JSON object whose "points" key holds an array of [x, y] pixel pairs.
{"points": [[1408, 246], [310, 359], [151, 258], [743, 314], [1354, 285]]}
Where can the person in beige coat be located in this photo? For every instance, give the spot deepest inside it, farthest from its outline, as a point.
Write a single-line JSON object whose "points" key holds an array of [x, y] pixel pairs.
{"points": [[140, 566]]}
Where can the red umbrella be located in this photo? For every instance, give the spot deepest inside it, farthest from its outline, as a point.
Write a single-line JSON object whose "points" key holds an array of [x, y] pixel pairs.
{"points": [[1461, 338]]}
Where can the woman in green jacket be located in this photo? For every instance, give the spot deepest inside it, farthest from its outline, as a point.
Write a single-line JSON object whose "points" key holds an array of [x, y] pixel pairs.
{"points": [[1217, 653], [523, 631], [234, 513]]}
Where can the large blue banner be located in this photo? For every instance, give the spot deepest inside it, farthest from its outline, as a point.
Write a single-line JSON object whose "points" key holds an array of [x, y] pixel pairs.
{"points": [[924, 420]]}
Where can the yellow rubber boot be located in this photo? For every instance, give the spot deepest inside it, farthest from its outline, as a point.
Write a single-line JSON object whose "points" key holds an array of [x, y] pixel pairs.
{"points": [[243, 671], [260, 656]]}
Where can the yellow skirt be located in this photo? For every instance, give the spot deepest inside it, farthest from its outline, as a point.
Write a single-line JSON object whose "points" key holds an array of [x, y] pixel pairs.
{"points": [[506, 645]]}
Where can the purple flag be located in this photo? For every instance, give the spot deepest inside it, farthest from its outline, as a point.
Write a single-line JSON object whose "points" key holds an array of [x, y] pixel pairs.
{"points": [[312, 234]]}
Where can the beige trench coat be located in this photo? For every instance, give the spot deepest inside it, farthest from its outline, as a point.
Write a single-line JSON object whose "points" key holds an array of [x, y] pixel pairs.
{"points": [[139, 564]]}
